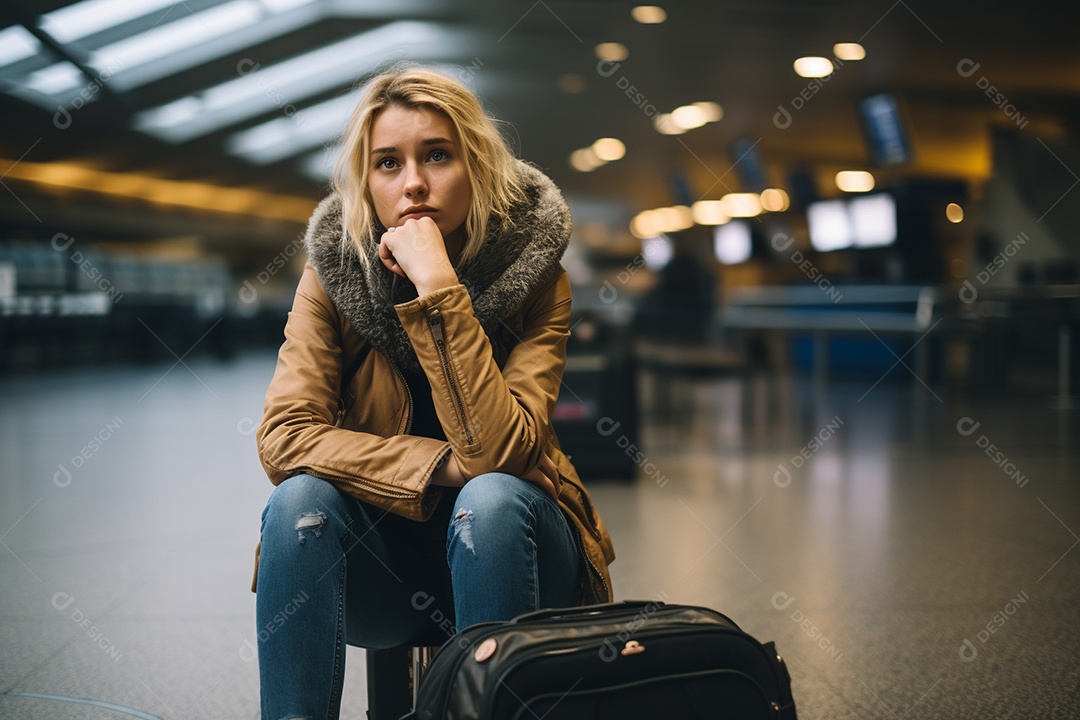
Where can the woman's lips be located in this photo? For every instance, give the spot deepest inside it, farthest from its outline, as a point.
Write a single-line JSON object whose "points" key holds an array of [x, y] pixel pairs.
{"points": [[417, 214]]}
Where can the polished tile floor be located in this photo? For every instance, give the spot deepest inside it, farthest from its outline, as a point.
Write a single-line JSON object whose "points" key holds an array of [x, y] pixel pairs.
{"points": [[913, 554]]}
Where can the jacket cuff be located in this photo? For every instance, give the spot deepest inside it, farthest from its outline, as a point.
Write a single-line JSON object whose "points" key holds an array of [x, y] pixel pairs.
{"points": [[429, 300]]}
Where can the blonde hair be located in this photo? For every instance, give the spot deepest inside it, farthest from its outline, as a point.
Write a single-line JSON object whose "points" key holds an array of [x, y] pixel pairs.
{"points": [[489, 164]]}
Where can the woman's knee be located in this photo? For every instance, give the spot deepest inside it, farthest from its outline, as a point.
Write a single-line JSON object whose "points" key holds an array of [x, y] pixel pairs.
{"points": [[494, 509], [307, 501], [496, 494]]}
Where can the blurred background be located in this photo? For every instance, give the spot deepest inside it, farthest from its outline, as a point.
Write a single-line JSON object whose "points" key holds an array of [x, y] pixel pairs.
{"points": [[823, 360]]}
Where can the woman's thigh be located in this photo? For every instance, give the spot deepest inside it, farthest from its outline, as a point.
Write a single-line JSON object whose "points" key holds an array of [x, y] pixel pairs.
{"points": [[511, 550]]}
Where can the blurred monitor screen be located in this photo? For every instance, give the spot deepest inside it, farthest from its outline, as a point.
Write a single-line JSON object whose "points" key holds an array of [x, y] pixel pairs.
{"points": [[884, 129], [657, 252], [873, 220], [731, 242], [830, 225], [747, 162]]}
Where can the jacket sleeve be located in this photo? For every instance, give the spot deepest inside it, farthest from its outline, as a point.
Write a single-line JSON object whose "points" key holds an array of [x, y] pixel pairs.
{"points": [[298, 432], [494, 420]]}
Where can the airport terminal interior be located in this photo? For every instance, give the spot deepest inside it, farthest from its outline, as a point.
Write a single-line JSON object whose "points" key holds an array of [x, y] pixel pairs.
{"points": [[822, 364]]}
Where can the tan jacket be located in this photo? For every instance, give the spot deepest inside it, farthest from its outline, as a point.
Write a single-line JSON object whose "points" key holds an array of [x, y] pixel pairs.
{"points": [[494, 400]]}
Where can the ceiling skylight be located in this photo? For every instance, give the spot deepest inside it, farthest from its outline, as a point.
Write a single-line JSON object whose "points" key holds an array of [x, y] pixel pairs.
{"points": [[286, 83], [287, 136], [181, 34], [92, 16], [16, 43]]}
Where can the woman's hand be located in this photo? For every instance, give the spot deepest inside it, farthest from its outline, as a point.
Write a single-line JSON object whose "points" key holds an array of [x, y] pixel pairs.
{"points": [[546, 476], [416, 251]]}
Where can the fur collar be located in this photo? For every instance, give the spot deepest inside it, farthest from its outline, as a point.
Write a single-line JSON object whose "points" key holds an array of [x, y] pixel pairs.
{"points": [[511, 266]]}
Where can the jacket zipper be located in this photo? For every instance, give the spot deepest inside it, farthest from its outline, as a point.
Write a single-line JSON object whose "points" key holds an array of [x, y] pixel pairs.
{"points": [[595, 571], [435, 322], [438, 332], [343, 411]]}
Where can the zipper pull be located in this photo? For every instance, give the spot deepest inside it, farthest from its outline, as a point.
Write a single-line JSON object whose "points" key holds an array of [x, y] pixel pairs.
{"points": [[435, 321]]}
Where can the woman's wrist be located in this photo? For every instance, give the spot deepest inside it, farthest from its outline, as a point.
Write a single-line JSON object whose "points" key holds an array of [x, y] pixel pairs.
{"points": [[448, 473]]}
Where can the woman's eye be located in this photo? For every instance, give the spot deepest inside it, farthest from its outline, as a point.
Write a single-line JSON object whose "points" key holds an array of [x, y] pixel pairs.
{"points": [[385, 163], [439, 155]]}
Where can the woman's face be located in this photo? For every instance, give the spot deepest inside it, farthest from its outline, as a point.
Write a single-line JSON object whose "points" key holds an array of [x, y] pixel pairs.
{"points": [[417, 169]]}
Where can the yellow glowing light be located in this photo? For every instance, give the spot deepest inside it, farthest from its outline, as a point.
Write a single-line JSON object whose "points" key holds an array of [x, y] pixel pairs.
{"points": [[689, 117], [649, 14], [854, 181], [612, 52], [709, 212], [585, 160], [849, 51], [741, 204], [713, 112], [571, 83], [174, 193], [775, 200], [954, 213], [813, 67], [665, 125], [609, 149], [644, 225], [673, 219]]}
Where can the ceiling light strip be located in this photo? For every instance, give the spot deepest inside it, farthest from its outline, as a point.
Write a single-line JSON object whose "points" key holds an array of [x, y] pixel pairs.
{"points": [[178, 193]]}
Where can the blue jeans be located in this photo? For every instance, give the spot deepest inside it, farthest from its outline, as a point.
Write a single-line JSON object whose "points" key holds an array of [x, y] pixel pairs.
{"points": [[334, 571]]}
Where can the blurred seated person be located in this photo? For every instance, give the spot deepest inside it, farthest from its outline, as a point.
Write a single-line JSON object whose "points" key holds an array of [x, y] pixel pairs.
{"points": [[679, 308]]}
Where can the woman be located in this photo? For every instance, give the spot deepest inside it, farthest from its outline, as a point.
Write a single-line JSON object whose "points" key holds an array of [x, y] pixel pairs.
{"points": [[433, 486]]}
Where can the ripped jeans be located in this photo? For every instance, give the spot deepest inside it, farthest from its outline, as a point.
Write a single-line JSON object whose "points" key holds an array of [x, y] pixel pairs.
{"points": [[334, 571]]}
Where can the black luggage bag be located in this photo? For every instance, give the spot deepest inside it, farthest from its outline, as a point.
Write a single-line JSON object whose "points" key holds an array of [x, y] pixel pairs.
{"points": [[606, 662]]}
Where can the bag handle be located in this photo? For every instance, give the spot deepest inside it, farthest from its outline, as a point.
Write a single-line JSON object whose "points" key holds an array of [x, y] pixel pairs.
{"points": [[549, 613]]}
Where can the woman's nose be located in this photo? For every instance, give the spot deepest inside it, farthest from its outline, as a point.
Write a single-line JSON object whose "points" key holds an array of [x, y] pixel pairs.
{"points": [[415, 181]]}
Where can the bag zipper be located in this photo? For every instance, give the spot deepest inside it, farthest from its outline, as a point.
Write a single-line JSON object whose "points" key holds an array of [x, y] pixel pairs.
{"points": [[577, 645], [440, 681], [438, 332]]}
